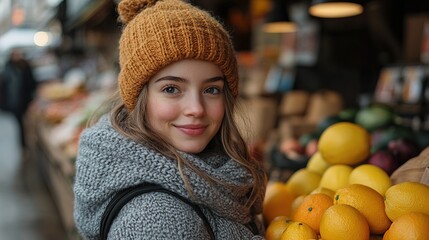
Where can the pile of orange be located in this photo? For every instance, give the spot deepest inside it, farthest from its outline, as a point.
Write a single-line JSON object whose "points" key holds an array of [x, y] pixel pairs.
{"points": [[356, 212], [339, 196]]}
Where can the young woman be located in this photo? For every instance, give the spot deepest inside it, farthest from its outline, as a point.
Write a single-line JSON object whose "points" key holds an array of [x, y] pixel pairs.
{"points": [[172, 124]]}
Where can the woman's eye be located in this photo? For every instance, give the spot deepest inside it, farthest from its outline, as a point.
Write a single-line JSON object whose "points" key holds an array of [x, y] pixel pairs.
{"points": [[213, 90], [171, 90]]}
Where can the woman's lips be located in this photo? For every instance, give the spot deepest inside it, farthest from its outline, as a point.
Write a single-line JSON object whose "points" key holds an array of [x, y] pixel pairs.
{"points": [[192, 130]]}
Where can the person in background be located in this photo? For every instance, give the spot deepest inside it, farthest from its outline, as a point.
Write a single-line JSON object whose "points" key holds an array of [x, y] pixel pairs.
{"points": [[172, 123], [18, 88]]}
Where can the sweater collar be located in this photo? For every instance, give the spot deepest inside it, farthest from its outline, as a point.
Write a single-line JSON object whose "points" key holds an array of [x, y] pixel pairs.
{"points": [[133, 163]]}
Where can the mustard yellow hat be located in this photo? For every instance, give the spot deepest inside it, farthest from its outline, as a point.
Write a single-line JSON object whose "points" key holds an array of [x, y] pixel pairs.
{"points": [[158, 33]]}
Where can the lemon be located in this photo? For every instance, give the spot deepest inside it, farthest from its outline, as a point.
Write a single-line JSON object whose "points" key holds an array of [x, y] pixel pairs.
{"points": [[303, 181], [324, 190], [406, 197], [345, 143], [368, 202], [317, 164], [298, 231], [341, 221], [371, 176], [336, 177]]}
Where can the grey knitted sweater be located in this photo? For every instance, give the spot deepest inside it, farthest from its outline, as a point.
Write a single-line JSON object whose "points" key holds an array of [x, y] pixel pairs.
{"points": [[108, 162]]}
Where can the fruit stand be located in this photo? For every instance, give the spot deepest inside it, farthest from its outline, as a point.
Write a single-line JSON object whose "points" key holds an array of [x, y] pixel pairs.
{"points": [[367, 179], [53, 124], [55, 167]]}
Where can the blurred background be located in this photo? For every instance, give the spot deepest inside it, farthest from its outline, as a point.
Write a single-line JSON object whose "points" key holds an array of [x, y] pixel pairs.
{"points": [[311, 65]]}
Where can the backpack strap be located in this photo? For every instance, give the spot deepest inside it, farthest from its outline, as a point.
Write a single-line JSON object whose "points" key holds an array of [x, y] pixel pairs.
{"points": [[252, 227], [124, 196]]}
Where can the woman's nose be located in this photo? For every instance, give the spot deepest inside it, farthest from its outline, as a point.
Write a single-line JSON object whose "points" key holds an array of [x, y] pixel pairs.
{"points": [[194, 105]]}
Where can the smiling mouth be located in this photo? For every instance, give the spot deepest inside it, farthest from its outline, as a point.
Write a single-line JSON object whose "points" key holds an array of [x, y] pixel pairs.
{"points": [[192, 130]]}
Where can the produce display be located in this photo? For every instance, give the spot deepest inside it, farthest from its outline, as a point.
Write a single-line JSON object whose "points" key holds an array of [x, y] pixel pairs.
{"points": [[345, 189], [65, 109], [390, 143]]}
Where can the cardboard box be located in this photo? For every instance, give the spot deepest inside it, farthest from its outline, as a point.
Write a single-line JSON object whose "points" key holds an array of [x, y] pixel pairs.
{"points": [[294, 103]]}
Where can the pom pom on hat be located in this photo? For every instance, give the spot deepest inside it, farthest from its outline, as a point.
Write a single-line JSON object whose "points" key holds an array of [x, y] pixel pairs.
{"points": [[158, 33], [128, 9]]}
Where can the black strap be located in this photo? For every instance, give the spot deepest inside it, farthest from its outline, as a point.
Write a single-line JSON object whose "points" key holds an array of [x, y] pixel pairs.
{"points": [[252, 227], [124, 196]]}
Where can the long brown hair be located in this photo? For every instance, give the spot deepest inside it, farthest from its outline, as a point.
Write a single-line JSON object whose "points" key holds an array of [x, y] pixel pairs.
{"points": [[134, 125]]}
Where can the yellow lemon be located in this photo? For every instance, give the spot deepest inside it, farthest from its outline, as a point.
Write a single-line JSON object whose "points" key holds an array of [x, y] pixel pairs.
{"points": [[303, 181], [371, 176], [298, 231], [406, 197], [368, 202], [316, 163], [345, 143], [336, 177], [341, 221]]}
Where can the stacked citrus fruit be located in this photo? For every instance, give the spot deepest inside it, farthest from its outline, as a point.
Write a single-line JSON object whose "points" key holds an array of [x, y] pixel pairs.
{"points": [[340, 196]]}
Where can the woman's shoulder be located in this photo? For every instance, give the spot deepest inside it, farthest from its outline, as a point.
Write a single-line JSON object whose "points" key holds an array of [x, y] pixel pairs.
{"points": [[158, 215], [100, 127], [101, 134]]}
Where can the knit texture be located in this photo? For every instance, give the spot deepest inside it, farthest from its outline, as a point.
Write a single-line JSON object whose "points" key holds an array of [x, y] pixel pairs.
{"points": [[158, 33], [108, 162]]}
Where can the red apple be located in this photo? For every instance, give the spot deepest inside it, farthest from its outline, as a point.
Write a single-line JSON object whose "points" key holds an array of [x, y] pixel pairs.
{"points": [[385, 160], [403, 149], [289, 145]]}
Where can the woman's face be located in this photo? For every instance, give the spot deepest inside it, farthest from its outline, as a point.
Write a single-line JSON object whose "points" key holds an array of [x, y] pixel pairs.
{"points": [[185, 103]]}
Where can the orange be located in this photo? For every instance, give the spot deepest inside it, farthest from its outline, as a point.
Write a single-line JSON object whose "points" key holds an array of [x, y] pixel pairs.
{"points": [[276, 227], [368, 202], [345, 143], [406, 197], [336, 177], [412, 225], [371, 176], [298, 231], [277, 202], [296, 202], [311, 210], [303, 181], [341, 221]]}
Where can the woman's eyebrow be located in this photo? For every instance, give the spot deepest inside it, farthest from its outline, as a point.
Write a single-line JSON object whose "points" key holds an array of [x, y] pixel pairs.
{"points": [[180, 79], [171, 78], [217, 78]]}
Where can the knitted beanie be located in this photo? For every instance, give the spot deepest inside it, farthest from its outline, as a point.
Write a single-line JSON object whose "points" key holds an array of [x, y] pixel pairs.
{"points": [[158, 33]]}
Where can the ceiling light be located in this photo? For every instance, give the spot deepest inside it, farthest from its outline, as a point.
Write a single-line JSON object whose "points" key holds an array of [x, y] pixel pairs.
{"points": [[334, 9], [278, 20]]}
